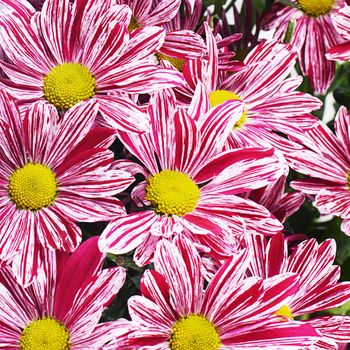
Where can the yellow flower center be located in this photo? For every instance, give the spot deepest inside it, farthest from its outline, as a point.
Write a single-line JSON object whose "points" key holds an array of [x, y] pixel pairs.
{"points": [[134, 24], [194, 332], [45, 334], [316, 8], [172, 193], [33, 187], [218, 97], [285, 311], [67, 84], [176, 62]]}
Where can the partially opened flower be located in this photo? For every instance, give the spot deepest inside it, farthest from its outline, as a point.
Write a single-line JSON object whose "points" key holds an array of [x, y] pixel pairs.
{"points": [[326, 160], [314, 34], [318, 289], [191, 184], [69, 53], [176, 311], [53, 173], [62, 308], [270, 99]]}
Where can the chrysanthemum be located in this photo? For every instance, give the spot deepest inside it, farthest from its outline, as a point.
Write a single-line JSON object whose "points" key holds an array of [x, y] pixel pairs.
{"points": [[326, 160], [52, 173], [271, 102], [314, 34], [62, 308], [318, 289], [176, 312], [69, 53], [190, 183]]}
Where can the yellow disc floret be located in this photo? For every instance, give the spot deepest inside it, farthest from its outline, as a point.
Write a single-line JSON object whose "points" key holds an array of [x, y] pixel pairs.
{"points": [[172, 193], [194, 332], [134, 24], [218, 97], [316, 8], [67, 84], [45, 334], [33, 187], [176, 62], [285, 311]]}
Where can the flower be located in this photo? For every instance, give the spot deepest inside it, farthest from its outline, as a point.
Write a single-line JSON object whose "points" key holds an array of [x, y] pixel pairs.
{"points": [[62, 308], [318, 289], [53, 173], [191, 184], [271, 102], [69, 53], [314, 34], [175, 311], [326, 160]]}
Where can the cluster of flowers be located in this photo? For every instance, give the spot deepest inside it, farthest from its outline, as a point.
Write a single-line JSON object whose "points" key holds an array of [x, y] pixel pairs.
{"points": [[207, 144]]}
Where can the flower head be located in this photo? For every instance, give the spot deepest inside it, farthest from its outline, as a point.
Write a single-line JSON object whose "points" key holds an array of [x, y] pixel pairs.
{"points": [[314, 34], [191, 184], [176, 312], [73, 52], [54, 172], [61, 309]]}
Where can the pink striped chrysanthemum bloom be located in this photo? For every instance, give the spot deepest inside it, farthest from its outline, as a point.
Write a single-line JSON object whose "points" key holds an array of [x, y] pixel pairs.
{"points": [[325, 159], [176, 311], [318, 289], [61, 309], [269, 96], [53, 173], [191, 184], [80, 51], [313, 35]]}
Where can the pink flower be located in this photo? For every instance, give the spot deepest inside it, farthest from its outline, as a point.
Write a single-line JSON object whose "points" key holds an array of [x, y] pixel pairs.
{"points": [[62, 307], [326, 160], [271, 102], [314, 34], [53, 173], [82, 51], [191, 184], [318, 289], [175, 311]]}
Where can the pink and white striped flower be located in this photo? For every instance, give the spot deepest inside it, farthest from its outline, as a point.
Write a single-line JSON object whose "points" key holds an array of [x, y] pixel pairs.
{"points": [[326, 160], [271, 102], [176, 312], [314, 34], [53, 173], [191, 184], [62, 307], [340, 18], [82, 51], [318, 289]]}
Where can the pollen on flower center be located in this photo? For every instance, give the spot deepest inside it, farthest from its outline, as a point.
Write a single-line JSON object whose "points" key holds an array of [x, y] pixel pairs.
{"points": [[172, 193], [316, 8], [194, 332], [285, 311], [45, 334], [33, 187], [67, 84], [218, 97], [176, 62]]}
